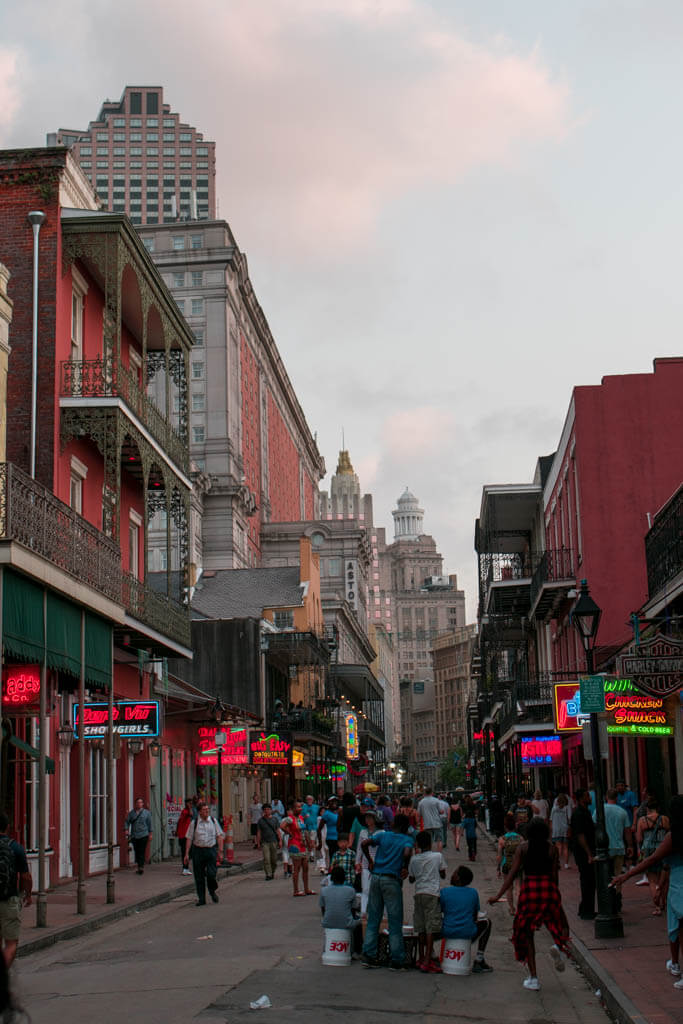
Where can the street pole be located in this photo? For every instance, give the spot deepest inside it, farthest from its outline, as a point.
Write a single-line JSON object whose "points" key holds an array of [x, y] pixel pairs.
{"points": [[608, 923], [43, 791], [220, 739], [82, 850], [111, 768]]}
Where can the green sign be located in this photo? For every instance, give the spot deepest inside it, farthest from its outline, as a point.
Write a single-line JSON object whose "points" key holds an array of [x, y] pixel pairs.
{"points": [[592, 694]]}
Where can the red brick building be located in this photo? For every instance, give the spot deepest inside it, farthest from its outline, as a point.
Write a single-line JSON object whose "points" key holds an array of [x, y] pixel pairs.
{"points": [[79, 611]]}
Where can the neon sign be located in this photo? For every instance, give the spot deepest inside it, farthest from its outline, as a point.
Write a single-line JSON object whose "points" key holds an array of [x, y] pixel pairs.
{"points": [[634, 713], [568, 715], [234, 750], [351, 724], [133, 718], [297, 758], [541, 750], [21, 686], [274, 750]]}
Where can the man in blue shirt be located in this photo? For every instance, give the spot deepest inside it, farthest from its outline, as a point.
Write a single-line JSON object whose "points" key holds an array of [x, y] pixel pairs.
{"points": [[460, 907], [330, 819], [388, 861], [627, 799], [310, 811]]}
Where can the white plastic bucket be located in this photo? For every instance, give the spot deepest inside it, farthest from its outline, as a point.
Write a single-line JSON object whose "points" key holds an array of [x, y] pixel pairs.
{"points": [[456, 956], [337, 949]]}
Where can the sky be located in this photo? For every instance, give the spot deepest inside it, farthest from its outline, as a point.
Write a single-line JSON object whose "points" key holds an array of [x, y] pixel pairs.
{"points": [[454, 212]]}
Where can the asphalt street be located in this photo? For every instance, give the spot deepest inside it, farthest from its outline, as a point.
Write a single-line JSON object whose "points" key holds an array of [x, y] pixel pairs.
{"points": [[178, 963]]}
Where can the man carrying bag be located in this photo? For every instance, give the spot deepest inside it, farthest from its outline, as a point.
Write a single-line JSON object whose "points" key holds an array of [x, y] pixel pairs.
{"points": [[205, 839]]}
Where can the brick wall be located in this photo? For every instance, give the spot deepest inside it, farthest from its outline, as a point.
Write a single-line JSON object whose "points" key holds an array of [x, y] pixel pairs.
{"points": [[283, 469], [251, 441]]}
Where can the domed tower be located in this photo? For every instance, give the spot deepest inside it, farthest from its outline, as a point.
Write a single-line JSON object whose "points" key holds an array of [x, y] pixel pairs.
{"points": [[408, 517]]}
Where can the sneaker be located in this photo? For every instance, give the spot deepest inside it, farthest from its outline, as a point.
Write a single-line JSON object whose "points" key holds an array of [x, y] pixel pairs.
{"points": [[678, 984], [557, 958], [369, 961], [533, 984], [186, 871], [396, 966], [434, 967], [643, 881], [673, 968], [481, 967]]}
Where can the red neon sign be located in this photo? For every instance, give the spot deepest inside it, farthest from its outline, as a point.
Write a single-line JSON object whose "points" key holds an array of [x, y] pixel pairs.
{"points": [[541, 750], [233, 752], [21, 686]]}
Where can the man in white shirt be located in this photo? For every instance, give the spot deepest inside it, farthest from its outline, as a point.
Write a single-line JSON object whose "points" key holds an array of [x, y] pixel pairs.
{"points": [[431, 810], [205, 843]]}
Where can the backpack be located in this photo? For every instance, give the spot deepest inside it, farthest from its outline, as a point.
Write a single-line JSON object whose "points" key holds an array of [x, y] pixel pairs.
{"points": [[8, 869], [653, 837], [511, 841]]}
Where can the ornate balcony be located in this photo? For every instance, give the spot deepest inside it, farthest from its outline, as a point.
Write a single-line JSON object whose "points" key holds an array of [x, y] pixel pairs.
{"points": [[32, 516], [664, 546], [156, 610], [505, 582], [553, 578], [306, 723], [95, 379]]}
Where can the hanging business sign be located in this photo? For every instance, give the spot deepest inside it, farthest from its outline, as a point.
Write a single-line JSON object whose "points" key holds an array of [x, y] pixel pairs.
{"points": [[137, 719], [541, 750], [297, 758], [234, 750], [351, 575], [20, 688], [271, 751], [569, 716], [351, 726], [655, 666], [630, 712]]}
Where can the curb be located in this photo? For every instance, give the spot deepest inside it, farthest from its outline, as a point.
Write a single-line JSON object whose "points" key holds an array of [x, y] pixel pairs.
{"points": [[615, 1001], [73, 931]]}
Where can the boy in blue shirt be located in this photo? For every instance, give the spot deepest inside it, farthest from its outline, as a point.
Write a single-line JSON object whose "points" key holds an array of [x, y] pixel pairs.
{"points": [[460, 907], [388, 855]]}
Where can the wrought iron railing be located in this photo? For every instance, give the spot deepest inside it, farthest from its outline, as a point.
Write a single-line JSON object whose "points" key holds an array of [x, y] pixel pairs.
{"points": [[502, 568], [664, 545], [96, 378], [305, 720], [32, 516], [555, 565], [156, 610]]}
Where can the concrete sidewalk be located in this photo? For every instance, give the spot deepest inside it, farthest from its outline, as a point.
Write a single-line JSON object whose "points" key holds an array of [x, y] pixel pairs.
{"points": [[160, 883], [630, 972]]}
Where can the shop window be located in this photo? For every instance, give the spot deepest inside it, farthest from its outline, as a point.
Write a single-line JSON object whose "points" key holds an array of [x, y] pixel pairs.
{"points": [[98, 797]]}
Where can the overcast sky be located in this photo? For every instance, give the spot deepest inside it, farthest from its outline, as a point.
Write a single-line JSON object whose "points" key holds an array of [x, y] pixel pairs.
{"points": [[453, 211]]}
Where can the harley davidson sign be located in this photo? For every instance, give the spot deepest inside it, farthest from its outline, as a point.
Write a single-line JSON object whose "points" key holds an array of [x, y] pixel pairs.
{"points": [[655, 666]]}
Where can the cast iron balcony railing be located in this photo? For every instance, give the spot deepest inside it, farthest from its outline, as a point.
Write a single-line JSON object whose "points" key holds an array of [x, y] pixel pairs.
{"points": [[156, 610], [32, 516], [664, 545], [94, 378], [306, 721], [554, 575]]}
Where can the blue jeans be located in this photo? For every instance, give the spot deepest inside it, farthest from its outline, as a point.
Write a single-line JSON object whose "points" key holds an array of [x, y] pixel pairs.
{"points": [[385, 891]]}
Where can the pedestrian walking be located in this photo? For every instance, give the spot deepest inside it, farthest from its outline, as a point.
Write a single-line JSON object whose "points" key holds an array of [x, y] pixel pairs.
{"points": [[539, 900], [310, 810], [523, 813], [650, 833], [671, 850], [456, 821], [461, 916], [329, 818], [430, 811], [425, 869], [388, 854], [206, 839], [138, 828], [469, 827], [268, 840], [582, 829], [560, 817], [507, 848], [540, 806], [619, 833], [255, 813], [16, 885], [184, 822]]}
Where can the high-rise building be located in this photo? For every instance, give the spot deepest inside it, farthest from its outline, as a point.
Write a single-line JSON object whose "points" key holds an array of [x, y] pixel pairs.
{"points": [[453, 687], [248, 434], [143, 160]]}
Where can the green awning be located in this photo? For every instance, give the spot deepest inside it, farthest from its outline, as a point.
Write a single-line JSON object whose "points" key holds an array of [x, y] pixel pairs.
{"points": [[22, 617], [22, 631], [32, 752]]}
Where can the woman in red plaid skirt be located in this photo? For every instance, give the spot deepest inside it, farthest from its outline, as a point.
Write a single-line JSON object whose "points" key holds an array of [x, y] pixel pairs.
{"points": [[539, 901]]}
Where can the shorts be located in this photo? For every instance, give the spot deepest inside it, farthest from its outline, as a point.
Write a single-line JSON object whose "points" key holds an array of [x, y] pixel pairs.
{"points": [[427, 914], [436, 834], [559, 839], [254, 829], [295, 853], [10, 918]]}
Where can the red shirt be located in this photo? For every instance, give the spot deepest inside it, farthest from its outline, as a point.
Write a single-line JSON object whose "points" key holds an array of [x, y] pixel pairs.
{"points": [[183, 823]]}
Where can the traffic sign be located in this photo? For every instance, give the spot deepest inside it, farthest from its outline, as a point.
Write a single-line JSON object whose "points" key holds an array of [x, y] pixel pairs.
{"points": [[592, 694]]}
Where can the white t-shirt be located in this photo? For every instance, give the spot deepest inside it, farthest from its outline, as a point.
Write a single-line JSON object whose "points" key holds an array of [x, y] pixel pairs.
{"points": [[256, 813], [425, 868], [429, 809]]}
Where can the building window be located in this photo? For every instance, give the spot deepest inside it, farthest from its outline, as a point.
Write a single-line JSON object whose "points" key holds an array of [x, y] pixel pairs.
{"points": [[86, 150], [197, 307], [178, 280], [178, 242], [195, 241], [284, 620], [198, 402], [79, 288], [163, 561], [202, 151], [152, 122], [79, 472], [334, 567], [98, 797], [180, 303], [197, 278], [198, 434], [152, 102], [134, 527], [198, 337], [148, 244], [198, 371]]}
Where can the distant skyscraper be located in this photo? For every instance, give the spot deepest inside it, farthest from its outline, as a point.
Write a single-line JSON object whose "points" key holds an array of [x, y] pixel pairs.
{"points": [[144, 161]]}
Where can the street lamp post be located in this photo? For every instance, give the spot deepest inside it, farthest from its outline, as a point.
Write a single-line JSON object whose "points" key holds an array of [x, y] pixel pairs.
{"points": [[220, 740], [608, 923]]}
